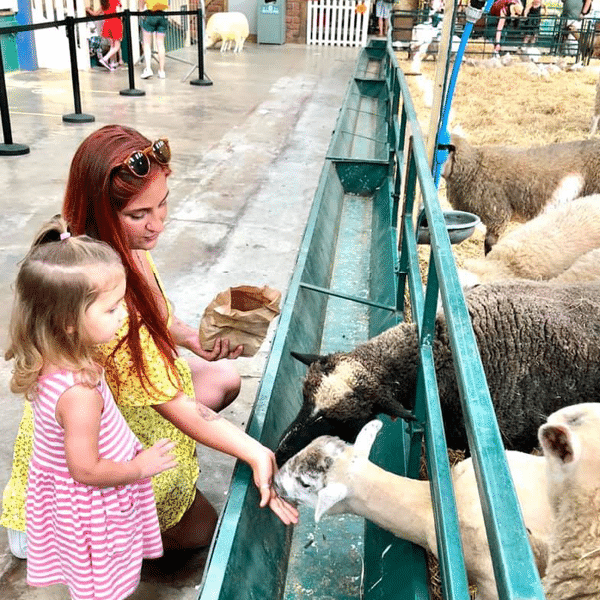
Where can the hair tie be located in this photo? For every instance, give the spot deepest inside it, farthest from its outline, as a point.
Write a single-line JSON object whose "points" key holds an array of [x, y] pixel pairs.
{"points": [[64, 235]]}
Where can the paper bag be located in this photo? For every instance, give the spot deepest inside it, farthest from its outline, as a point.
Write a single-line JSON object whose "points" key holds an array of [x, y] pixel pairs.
{"points": [[241, 315]]}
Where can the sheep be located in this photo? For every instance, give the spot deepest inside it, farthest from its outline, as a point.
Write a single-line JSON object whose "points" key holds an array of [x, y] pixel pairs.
{"points": [[499, 183], [571, 444], [585, 268], [596, 115], [543, 248], [228, 27], [334, 477], [539, 345]]}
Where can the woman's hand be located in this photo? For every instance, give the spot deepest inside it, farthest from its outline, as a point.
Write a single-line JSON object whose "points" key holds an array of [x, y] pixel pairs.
{"points": [[264, 468], [220, 349], [186, 337]]}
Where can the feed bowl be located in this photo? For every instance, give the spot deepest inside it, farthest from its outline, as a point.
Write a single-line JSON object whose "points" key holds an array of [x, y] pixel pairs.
{"points": [[460, 226]]}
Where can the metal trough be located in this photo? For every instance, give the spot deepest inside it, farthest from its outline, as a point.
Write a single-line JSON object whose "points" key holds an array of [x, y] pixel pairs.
{"points": [[348, 285]]}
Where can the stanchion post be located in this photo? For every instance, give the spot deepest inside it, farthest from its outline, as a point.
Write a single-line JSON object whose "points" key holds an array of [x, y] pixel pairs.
{"points": [[77, 116], [8, 148], [202, 79], [130, 91]]}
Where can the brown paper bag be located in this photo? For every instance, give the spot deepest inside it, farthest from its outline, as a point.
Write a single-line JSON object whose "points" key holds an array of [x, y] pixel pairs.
{"points": [[241, 315]]}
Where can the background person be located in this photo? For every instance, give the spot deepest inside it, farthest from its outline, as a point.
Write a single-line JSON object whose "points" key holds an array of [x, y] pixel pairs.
{"points": [[503, 10], [155, 23]]}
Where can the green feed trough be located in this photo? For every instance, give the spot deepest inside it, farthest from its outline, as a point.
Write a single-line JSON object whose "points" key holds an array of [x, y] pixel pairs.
{"points": [[358, 255]]}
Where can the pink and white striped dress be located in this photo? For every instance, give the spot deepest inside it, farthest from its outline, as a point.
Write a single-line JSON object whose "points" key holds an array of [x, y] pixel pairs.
{"points": [[90, 539]]}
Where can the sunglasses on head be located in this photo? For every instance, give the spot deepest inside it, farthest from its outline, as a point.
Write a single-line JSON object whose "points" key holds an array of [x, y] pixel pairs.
{"points": [[139, 163]]}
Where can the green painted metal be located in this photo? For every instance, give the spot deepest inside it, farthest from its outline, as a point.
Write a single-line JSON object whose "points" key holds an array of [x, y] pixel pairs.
{"points": [[352, 271]]}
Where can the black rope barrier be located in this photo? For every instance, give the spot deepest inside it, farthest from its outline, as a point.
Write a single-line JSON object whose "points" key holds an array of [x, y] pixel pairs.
{"points": [[77, 116], [8, 148], [202, 79], [131, 90]]}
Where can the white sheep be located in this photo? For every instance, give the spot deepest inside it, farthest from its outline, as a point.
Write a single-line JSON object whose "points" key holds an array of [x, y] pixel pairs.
{"points": [[334, 477], [571, 444], [585, 268], [228, 27], [500, 184], [543, 248]]}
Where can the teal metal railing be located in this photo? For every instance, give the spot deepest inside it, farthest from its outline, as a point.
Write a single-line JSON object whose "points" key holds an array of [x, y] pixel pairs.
{"points": [[514, 567]]}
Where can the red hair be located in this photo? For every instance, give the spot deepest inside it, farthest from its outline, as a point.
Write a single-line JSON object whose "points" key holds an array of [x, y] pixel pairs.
{"points": [[98, 188]]}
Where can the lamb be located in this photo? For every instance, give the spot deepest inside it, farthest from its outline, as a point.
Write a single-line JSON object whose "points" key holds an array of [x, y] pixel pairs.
{"points": [[228, 27], [333, 477], [545, 247], [571, 444], [539, 345], [500, 184]]}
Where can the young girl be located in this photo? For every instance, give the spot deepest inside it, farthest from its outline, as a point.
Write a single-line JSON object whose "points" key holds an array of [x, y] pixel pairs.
{"points": [[112, 30], [91, 516]]}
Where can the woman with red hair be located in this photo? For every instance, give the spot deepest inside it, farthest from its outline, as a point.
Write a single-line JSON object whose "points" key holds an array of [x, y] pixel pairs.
{"points": [[117, 192]]}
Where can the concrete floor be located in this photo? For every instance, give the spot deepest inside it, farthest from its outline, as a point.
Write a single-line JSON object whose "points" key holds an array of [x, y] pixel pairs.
{"points": [[247, 155]]}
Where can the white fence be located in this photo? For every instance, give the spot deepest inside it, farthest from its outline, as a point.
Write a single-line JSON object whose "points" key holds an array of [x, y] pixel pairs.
{"points": [[337, 22]]}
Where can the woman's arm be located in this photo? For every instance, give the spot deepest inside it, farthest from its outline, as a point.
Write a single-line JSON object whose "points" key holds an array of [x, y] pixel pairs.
{"points": [[208, 428], [79, 411], [187, 337]]}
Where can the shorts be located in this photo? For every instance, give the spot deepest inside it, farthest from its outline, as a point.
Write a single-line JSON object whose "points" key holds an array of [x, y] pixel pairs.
{"points": [[383, 9], [155, 22]]}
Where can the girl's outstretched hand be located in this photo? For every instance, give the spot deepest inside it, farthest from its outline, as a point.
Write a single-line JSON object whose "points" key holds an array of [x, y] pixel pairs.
{"points": [[264, 469], [156, 459]]}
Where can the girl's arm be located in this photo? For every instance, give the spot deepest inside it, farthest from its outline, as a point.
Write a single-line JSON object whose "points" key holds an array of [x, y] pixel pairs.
{"points": [[187, 337], [208, 428], [79, 411]]}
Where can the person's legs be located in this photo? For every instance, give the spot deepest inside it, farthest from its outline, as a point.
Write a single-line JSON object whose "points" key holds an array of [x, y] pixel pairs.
{"points": [[160, 47], [147, 43], [115, 46], [195, 529], [217, 384]]}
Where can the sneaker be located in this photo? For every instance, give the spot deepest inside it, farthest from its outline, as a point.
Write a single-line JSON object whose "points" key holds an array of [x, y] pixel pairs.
{"points": [[17, 543], [147, 73], [105, 64], [161, 75]]}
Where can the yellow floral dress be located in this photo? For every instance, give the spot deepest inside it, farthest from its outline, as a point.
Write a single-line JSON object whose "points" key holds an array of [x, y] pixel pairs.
{"points": [[174, 490]]}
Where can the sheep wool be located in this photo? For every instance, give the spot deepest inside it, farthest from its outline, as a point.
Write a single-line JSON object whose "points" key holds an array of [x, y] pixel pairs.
{"points": [[334, 477], [571, 444], [500, 184], [229, 27], [545, 247], [540, 349]]}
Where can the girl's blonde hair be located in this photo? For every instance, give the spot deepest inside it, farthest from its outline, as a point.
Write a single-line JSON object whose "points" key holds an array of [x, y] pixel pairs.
{"points": [[57, 281]]}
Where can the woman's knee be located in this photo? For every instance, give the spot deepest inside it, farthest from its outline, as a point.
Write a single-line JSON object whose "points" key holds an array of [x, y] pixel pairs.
{"points": [[216, 384]]}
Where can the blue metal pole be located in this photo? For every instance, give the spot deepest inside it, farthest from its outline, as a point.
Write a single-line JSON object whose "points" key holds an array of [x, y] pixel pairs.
{"points": [[443, 137]]}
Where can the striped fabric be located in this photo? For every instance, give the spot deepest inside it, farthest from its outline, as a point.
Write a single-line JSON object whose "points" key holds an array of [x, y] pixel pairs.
{"points": [[90, 539]]}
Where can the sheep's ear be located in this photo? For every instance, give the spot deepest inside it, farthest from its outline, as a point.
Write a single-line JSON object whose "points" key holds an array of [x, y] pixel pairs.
{"points": [[557, 441], [328, 497], [306, 359], [366, 437]]}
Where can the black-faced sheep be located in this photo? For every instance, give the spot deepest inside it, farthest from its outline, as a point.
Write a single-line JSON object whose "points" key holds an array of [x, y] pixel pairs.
{"points": [[500, 184], [571, 444], [539, 345], [334, 477], [543, 248]]}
